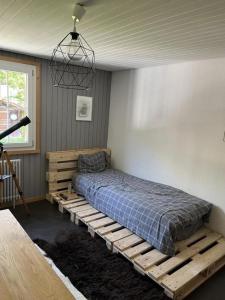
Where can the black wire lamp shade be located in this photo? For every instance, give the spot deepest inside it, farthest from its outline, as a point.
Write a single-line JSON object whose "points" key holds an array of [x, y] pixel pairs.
{"points": [[73, 63]]}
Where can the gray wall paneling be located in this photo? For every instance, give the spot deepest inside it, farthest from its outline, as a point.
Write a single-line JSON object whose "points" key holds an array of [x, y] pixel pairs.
{"points": [[59, 128]]}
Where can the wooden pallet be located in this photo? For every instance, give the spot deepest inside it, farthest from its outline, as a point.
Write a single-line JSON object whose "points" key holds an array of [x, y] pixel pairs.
{"points": [[66, 204], [197, 258], [62, 165]]}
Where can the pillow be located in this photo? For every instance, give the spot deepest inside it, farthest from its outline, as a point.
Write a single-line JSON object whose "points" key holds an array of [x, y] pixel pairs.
{"points": [[108, 160], [91, 163]]}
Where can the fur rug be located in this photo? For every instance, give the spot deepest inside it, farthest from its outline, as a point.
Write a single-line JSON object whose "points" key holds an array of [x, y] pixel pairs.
{"points": [[95, 271]]}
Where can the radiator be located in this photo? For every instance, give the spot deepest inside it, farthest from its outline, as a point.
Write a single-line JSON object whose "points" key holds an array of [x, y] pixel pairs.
{"points": [[9, 192]]}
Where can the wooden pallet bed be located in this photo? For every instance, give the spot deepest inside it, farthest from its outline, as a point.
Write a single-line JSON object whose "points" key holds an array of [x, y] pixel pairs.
{"points": [[197, 258], [62, 165]]}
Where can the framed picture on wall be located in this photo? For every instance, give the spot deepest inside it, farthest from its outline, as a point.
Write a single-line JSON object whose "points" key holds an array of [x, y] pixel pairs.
{"points": [[84, 108]]}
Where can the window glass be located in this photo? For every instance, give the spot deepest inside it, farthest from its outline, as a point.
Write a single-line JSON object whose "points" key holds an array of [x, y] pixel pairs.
{"points": [[13, 104]]}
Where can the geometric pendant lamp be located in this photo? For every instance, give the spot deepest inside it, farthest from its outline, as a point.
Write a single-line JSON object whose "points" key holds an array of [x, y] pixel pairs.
{"points": [[72, 63]]}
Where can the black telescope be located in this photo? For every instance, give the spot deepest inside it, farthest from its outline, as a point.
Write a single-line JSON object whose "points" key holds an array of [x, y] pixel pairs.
{"points": [[23, 122], [4, 156]]}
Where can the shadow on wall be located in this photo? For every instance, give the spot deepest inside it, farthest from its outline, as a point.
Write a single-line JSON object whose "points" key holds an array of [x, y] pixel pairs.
{"points": [[217, 219], [166, 125]]}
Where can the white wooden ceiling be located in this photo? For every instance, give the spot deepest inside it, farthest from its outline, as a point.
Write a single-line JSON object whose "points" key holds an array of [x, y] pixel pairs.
{"points": [[124, 33]]}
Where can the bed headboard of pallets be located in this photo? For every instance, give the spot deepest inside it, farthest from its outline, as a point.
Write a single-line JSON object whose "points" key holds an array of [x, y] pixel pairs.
{"points": [[62, 165]]}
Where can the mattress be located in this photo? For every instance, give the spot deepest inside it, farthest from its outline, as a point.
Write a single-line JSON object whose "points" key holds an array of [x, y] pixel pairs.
{"points": [[158, 213]]}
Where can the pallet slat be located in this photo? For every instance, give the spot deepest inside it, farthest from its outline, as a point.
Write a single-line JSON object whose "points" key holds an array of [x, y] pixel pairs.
{"points": [[175, 261], [197, 235], [86, 213], [56, 186], [57, 176], [108, 229], [127, 242], [198, 280], [62, 166], [181, 277], [93, 217], [65, 202], [100, 223], [57, 199], [149, 259], [80, 208], [70, 155], [75, 204], [115, 236], [137, 250]]}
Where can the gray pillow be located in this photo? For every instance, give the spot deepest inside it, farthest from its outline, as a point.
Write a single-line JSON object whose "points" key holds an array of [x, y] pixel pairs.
{"points": [[91, 163]]}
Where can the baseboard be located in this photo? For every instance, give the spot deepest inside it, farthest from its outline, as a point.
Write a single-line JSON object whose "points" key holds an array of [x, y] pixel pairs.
{"points": [[27, 199], [33, 199]]}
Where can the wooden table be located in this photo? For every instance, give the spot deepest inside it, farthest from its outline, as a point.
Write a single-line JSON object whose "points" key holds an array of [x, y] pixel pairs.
{"points": [[24, 272]]}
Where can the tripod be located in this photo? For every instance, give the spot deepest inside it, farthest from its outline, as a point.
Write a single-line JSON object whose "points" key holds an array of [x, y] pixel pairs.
{"points": [[4, 156]]}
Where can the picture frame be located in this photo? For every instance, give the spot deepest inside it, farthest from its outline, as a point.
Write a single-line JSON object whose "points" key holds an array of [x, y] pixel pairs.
{"points": [[84, 108]]}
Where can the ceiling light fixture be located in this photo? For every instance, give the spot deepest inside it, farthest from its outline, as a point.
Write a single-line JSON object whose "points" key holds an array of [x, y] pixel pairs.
{"points": [[73, 60], [78, 12]]}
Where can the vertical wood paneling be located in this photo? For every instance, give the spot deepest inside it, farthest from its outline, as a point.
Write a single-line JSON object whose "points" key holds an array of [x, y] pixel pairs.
{"points": [[59, 128]]}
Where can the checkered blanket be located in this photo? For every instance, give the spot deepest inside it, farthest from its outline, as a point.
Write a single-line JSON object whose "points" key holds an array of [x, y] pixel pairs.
{"points": [[158, 213]]}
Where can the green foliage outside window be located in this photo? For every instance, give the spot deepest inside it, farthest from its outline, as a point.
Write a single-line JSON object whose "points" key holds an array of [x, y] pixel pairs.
{"points": [[16, 93]]}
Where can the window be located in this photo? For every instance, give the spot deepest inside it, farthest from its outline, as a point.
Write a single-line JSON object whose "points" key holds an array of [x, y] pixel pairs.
{"points": [[18, 98]]}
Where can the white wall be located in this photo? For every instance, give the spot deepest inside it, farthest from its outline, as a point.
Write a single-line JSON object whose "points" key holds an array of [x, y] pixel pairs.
{"points": [[167, 124]]}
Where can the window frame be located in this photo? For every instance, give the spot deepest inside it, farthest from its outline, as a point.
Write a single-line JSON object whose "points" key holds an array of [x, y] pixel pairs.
{"points": [[31, 149]]}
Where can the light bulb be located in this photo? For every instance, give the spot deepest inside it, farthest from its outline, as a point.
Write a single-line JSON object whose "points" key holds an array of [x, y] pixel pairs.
{"points": [[73, 50]]}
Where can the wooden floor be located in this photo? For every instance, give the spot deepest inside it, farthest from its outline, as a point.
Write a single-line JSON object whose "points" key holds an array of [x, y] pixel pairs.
{"points": [[196, 259]]}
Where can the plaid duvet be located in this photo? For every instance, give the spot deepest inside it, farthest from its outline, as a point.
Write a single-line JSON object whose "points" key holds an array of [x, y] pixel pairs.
{"points": [[158, 213]]}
